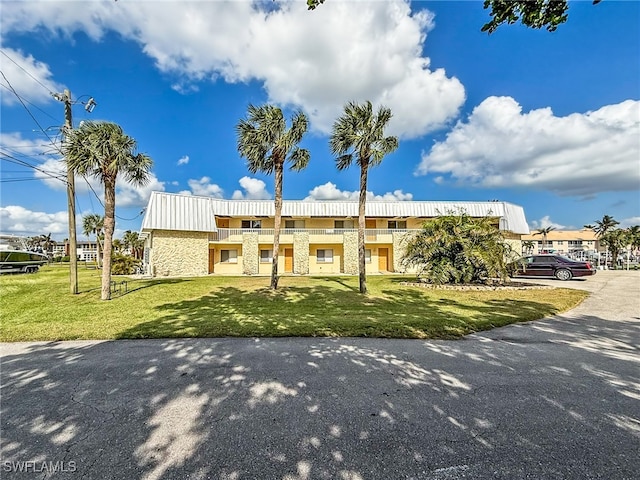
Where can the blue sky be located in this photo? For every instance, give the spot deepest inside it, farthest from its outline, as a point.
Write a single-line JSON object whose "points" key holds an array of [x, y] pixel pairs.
{"points": [[549, 121]]}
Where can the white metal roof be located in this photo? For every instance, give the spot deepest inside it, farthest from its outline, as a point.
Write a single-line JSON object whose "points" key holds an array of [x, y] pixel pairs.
{"points": [[170, 211]]}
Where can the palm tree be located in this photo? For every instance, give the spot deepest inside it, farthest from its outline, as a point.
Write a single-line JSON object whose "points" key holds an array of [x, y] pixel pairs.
{"points": [[616, 241], [601, 228], [634, 237], [528, 246], [263, 139], [117, 245], [102, 150], [133, 242], [92, 224], [359, 134], [604, 225], [544, 232]]}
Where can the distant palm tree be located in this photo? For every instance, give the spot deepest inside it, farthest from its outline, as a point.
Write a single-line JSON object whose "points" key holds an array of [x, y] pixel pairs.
{"points": [[359, 134], [528, 246], [133, 242], [616, 241], [544, 232], [102, 150], [266, 143], [117, 245], [634, 237], [603, 226], [93, 224]]}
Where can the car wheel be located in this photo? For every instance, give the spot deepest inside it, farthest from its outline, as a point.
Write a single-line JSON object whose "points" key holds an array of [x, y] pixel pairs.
{"points": [[563, 274]]}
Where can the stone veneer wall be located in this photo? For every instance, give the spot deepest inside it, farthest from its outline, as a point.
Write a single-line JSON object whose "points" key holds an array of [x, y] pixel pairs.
{"points": [[176, 253], [301, 253], [250, 253], [350, 253], [400, 240]]}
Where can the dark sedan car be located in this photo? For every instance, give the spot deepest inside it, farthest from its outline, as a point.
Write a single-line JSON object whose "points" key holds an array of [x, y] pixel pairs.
{"points": [[562, 268]]}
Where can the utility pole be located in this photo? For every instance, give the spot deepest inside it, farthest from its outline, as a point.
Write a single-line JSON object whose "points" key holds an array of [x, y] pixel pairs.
{"points": [[71, 197]]}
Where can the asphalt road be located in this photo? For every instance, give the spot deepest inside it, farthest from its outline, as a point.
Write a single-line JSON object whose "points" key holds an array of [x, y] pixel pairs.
{"points": [[553, 399]]}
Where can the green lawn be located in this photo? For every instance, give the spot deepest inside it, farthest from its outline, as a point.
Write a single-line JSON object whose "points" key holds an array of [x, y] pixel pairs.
{"points": [[40, 307]]}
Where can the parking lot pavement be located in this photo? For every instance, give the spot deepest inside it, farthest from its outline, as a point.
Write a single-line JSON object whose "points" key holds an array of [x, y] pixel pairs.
{"points": [[558, 398]]}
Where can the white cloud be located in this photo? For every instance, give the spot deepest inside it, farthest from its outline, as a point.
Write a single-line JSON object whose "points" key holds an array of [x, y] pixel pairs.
{"points": [[580, 154], [629, 222], [128, 195], [19, 220], [53, 172], [254, 189], [315, 60], [329, 191], [183, 160], [203, 187], [25, 85], [545, 222]]}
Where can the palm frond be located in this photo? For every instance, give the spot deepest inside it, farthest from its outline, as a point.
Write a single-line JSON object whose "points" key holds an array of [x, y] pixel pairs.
{"points": [[299, 159]]}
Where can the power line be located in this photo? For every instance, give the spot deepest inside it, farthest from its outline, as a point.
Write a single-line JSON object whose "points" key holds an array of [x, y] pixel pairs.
{"points": [[28, 111], [17, 161], [32, 104], [25, 71]]}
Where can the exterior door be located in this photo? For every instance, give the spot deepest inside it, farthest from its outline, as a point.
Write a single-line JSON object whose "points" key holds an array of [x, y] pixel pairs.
{"points": [[212, 259], [288, 260], [383, 259], [222, 223]]}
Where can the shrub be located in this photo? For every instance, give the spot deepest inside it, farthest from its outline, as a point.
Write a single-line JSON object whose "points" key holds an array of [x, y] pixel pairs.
{"points": [[457, 248], [124, 264]]}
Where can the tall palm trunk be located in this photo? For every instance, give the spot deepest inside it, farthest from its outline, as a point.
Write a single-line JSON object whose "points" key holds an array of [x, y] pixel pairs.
{"points": [[361, 225], [276, 223], [109, 226]]}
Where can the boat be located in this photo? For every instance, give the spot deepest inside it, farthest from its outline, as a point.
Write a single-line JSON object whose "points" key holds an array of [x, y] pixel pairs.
{"points": [[15, 257]]}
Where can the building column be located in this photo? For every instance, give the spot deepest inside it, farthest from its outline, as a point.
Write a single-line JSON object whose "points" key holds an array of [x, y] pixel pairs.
{"points": [[350, 253], [301, 253], [399, 247], [250, 253]]}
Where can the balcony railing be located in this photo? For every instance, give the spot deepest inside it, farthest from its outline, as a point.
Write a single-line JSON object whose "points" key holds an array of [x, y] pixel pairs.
{"points": [[234, 235]]}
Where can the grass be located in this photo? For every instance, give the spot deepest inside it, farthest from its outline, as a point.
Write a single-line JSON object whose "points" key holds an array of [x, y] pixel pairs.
{"points": [[40, 307]]}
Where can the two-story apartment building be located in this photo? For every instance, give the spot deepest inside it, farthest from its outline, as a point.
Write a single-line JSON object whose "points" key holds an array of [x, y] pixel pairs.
{"points": [[565, 242], [191, 235]]}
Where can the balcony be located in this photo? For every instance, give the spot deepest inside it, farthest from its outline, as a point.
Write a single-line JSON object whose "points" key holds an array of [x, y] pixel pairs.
{"points": [[316, 235]]}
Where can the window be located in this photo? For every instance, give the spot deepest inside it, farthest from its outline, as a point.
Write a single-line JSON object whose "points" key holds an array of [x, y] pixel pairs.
{"points": [[252, 224], [324, 256], [367, 255], [228, 256], [560, 242], [266, 256], [343, 224], [397, 224], [294, 224]]}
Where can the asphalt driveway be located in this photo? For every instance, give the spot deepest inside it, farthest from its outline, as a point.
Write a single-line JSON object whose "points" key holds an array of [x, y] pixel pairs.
{"points": [[557, 398]]}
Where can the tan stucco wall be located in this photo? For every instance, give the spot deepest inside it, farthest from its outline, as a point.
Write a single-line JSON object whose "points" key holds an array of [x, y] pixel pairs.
{"points": [[176, 253], [228, 268], [301, 253], [321, 268]]}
